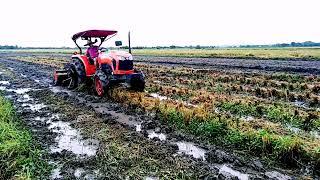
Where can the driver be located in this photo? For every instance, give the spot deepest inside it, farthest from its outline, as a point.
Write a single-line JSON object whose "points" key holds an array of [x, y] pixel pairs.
{"points": [[92, 51]]}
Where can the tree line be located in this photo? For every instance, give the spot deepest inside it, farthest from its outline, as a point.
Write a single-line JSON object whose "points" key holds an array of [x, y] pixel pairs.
{"points": [[9, 47], [292, 44]]}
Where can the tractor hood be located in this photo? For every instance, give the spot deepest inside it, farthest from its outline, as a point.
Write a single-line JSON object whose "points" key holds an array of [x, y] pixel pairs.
{"points": [[120, 55]]}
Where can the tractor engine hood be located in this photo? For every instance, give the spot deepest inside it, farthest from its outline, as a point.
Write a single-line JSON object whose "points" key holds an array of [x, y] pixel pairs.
{"points": [[120, 55]]}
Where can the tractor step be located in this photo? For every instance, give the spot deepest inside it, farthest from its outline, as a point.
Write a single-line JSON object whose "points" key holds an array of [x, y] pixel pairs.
{"points": [[61, 72]]}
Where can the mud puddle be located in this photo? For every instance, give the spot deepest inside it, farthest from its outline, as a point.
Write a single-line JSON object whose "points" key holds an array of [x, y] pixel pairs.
{"points": [[70, 139], [226, 171], [160, 136], [191, 149]]}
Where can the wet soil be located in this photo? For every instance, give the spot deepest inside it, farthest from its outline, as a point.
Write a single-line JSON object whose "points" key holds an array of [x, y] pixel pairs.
{"points": [[248, 65], [95, 138], [305, 67]]}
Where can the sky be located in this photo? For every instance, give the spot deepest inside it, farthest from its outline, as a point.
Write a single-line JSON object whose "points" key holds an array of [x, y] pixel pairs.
{"points": [[43, 23]]}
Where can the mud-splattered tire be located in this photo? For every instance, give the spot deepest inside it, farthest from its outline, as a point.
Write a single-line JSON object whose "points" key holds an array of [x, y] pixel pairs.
{"points": [[72, 79], [80, 70], [137, 83], [101, 83]]}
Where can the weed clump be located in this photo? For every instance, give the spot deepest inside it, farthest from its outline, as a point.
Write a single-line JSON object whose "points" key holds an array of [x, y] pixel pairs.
{"points": [[19, 156]]}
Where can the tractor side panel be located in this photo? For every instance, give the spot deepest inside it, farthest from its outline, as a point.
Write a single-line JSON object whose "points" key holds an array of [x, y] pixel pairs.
{"points": [[123, 72], [105, 61], [89, 68]]}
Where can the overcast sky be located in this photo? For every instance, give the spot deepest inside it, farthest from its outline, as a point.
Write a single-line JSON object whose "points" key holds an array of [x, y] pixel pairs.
{"points": [[161, 22]]}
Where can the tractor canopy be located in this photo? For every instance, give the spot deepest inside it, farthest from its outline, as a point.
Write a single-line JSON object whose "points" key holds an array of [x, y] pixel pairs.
{"points": [[93, 33], [102, 34]]}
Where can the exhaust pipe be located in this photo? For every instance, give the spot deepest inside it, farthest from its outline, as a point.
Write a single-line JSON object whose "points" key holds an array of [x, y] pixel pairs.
{"points": [[129, 42]]}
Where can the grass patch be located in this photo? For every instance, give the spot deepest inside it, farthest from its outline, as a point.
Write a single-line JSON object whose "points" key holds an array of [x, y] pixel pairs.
{"points": [[255, 53], [20, 157], [275, 113], [289, 149]]}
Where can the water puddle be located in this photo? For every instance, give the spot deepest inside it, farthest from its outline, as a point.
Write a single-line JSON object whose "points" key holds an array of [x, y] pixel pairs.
{"points": [[120, 117], [4, 82], [151, 178], [25, 98], [301, 104], [293, 129], [152, 135], [71, 140], [247, 118], [78, 172], [191, 149], [156, 95], [57, 89], [34, 107], [138, 127], [315, 134], [277, 175], [55, 174], [225, 169], [17, 91], [21, 90], [38, 118]]}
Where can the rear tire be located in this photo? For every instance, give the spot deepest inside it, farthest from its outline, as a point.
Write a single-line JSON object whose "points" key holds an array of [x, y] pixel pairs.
{"points": [[80, 70], [72, 80], [101, 83], [76, 74]]}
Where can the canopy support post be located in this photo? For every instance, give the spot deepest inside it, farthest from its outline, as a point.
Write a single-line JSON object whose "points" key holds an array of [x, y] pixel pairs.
{"points": [[75, 41]]}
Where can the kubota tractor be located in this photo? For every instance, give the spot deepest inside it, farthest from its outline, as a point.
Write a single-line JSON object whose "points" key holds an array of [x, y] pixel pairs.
{"points": [[105, 67]]}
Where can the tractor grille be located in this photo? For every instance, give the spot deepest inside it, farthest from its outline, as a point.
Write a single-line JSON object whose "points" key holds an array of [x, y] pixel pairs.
{"points": [[125, 65]]}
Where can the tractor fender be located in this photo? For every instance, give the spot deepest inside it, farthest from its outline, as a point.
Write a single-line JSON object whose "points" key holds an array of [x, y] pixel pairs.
{"points": [[105, 60], [90, 69]]}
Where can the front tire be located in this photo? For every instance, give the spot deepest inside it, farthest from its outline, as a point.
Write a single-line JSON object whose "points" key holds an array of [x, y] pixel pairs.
{"points": [[101, 83], [137, 83]]}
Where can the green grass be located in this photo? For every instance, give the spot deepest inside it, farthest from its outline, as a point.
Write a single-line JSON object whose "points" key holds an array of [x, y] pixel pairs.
{"points": [[288, 149], [20, 157], [307, 53], [274, 113], [256, 53]]}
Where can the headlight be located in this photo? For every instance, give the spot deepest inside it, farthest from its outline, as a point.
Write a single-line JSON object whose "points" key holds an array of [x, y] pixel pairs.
{"points": [[125, 58]]}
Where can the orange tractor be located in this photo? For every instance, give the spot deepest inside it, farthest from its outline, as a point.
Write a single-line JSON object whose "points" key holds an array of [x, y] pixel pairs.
{"points": [[105, 67]]}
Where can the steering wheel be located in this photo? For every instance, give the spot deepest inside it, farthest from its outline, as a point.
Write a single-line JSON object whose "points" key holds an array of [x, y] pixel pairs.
{"points": [[90, 43], [102, 49]]}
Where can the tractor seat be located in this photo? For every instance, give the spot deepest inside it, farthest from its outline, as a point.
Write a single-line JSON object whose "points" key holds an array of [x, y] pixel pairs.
{"points": [[92, 52]]}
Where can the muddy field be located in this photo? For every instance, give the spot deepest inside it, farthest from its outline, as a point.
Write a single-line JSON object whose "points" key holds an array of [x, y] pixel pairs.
{"points": [[252, 65], [124, 137]]}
